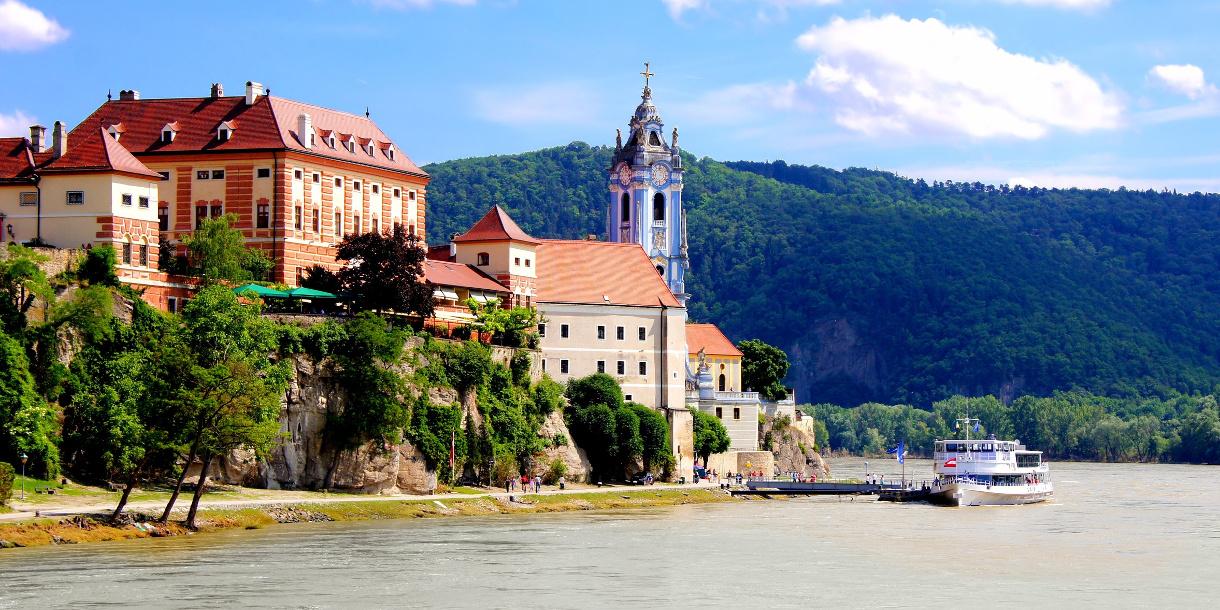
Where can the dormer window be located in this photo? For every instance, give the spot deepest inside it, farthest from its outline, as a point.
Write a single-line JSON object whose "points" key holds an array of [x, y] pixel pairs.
{"points": [[167, 135], [116, 131], [331, 142], [389, 152], [225, 131]]}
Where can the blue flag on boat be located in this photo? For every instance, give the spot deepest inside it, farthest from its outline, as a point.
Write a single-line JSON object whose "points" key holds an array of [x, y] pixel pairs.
{"points": [[900, 451]]}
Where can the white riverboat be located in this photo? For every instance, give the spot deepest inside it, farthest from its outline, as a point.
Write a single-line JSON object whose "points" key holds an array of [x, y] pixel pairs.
{"points": [[987, 472]]}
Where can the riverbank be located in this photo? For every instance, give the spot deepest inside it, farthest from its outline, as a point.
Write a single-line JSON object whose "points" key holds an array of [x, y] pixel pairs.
{"points": [[95, 528]]}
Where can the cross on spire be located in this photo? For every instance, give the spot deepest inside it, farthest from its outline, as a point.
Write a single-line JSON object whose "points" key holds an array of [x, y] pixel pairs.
{"points": [[647, 75]]}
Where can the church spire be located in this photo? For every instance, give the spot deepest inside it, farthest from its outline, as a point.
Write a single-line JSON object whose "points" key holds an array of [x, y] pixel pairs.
{"points": [[647, 74]]}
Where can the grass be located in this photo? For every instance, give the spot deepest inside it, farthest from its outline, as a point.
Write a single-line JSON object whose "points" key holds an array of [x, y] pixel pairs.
{"points": [[85, 529]]}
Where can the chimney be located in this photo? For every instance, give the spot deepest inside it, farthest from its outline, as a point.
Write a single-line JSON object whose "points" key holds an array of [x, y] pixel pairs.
{"points": [[129, 95], [305, 130], [253, 91], [59, 137], [38, 138], [218, 90]]}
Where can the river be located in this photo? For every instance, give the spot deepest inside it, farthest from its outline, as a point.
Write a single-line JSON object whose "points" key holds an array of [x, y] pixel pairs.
{"points": [[1116, 534]]}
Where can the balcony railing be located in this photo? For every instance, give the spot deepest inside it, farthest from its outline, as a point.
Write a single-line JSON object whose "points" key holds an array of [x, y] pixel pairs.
{"points": [[658, 224]]}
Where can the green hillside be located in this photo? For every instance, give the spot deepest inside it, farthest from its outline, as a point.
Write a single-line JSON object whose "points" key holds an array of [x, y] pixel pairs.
{"points": [[882, 288]]}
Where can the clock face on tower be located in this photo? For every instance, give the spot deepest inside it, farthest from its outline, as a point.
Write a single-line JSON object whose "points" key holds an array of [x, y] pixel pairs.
{"points": [[660, 175], [624, 175]]}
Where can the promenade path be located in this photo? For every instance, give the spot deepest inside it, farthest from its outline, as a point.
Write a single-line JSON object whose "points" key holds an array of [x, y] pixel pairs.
{"points": [[279, 497]]}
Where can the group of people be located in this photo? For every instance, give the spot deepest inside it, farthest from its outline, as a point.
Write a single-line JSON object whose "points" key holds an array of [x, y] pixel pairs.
{"points": [[799, 478], [527, 484]]}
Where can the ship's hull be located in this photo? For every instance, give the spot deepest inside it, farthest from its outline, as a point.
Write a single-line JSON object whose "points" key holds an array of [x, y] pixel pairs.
{"points": [[975, 494]]}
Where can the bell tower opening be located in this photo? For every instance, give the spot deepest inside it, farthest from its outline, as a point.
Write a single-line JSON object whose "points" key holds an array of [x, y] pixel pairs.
{"points": [[658, 207], [625, 209]]}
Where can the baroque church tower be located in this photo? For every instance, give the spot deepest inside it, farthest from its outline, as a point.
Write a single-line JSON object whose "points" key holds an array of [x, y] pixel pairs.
{"points": [[645, 204]]}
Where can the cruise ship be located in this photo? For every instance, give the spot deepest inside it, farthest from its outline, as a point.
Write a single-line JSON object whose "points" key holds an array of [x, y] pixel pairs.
{"points": [[987, 472]]}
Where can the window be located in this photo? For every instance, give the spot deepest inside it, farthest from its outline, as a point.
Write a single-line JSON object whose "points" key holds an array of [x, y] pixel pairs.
{"points": [[719, 413], [563, 331], [317, 221], [658, 207], [376, 225], [620, 333], [299, 218], [483, 259], [542, 330], [622, 367], [601, 366], [29, 198], [218, 210], [625, 209], [167, 136], [126, 200], [397, 193], [76, 198], [563, 366], [356, 224], [721, 382], [317, 177], [163, 218], [164, 175], [172, 304], [218, 174], [517, 260], [338, 224], [144, 202], [143, 255], [127, 253], [643, 333], [544, 365], [601, 332], [203, 174], [528, 261], [736, 412], [339, 183], [297, 174], [410, 194], [627, 397], [643, 367], [263, 172], [263, 219], [376, 189], [223, 134], [356, 186]]}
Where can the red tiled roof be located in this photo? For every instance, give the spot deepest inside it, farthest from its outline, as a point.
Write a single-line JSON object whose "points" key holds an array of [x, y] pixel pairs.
{"points": [[709, 338], [439, 253], [97, 151], [496, 225], [601, 273], [15, 158], [268, 124], [443, 273]]}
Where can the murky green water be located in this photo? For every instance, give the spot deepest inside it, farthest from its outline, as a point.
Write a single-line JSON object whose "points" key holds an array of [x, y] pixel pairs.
{"points": [[1116, 535]]}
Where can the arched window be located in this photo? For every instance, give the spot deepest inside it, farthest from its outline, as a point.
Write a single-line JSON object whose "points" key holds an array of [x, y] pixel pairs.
{"points": [[625, 209], [658, 207], [661, 270], [722, 382], [484, 259]]}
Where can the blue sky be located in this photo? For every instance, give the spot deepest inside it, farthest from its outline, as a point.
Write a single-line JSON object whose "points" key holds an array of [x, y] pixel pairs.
{"points": [[1050, 92]]}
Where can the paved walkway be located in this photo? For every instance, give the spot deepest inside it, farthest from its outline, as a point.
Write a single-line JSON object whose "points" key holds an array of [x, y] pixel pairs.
{"points": [[184, 502]]}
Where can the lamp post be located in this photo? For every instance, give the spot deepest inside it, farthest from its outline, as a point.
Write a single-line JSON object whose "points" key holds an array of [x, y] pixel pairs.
{"points": [[24, 459]]}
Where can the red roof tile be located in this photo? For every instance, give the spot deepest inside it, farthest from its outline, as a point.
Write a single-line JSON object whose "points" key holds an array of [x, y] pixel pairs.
{"points": [[97, 151], [496, 225], [15, 158], [439, 253], [442, 273], [601, 273], [268, 124], [708, 337]]}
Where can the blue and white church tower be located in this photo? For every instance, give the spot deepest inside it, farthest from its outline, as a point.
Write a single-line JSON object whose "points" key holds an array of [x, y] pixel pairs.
{"points": [[646, 193]]}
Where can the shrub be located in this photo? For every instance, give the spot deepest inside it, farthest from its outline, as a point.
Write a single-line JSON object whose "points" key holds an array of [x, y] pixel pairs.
{"points": [[520, 366], [320, 340], [596, 389], [557, 470], [559, 440], [97, 268], [468, 364], [6, 482], [505, 468], [548, 395]]}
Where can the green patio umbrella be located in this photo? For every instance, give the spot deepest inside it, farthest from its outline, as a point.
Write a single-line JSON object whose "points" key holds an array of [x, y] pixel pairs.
{"points": [[309, 293], [261, 291]]}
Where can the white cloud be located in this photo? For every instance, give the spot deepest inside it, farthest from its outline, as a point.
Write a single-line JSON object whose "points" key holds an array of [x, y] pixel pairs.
{"points": [[677, 8], [744, 102], [889, 75], [15, 124], [1072, 5], [537, 106], [26, 29], [1063, 178], [1186, 79]]}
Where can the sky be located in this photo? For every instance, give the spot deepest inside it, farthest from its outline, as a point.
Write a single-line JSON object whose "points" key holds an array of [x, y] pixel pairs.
{"points": [[1088, 93]]}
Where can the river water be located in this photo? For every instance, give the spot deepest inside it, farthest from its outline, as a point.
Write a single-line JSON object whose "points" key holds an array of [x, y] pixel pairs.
{"points": [[1119, 535]]}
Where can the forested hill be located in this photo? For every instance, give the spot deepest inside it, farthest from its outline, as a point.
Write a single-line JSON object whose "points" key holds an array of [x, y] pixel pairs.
{"points": [[883, 288]]}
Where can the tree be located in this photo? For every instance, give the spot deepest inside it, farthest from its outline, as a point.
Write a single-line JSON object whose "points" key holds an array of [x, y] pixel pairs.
{"points": [[385, 272], [654, 436], [594, 428], [595, 389], [217, 252], [374, 409], [321, 278], [22, 282], [710, 435], [763, 368], [512, 326], [27, 423], [97, 268]]}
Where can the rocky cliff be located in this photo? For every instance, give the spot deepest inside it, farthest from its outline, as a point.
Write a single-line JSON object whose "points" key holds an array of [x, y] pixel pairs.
{"points": [[794, 449]]}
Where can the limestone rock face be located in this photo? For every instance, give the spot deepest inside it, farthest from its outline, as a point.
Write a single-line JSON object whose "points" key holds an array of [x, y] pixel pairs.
{"points": [[793, 449], [579, 467]]}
